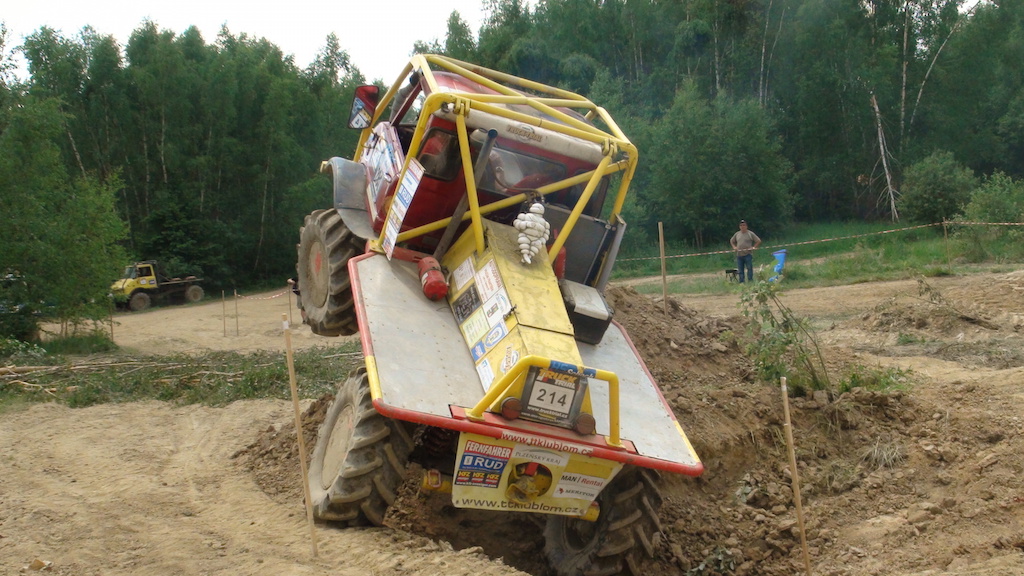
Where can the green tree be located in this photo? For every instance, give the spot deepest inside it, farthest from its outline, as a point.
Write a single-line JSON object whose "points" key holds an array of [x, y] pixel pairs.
{"points": [[976, 91], [504, 37], [61, 240], [7, 66], [936, 189], [718, 162], [458, 39]]}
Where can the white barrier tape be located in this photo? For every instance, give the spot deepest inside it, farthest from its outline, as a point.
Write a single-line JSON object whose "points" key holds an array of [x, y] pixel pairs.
{"points": [[829, 239], [278, 295]]}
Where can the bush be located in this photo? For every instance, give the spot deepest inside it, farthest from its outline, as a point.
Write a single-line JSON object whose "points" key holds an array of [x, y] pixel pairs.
{"points": [[935, 189], [15, 351], [998, 199]]}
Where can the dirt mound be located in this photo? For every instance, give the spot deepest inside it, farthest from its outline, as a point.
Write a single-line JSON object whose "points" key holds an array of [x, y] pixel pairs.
{"points": [[273, 458], [886, 477]]}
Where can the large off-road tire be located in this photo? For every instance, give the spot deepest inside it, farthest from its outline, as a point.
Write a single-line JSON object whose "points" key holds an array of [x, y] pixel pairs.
{"points": [[325, 289], [193, 293], [139, 301], [623, 539], [359, 459]]}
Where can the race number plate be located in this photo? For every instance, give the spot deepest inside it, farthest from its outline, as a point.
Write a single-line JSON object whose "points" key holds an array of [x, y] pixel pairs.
{"points": [[552, 396]]}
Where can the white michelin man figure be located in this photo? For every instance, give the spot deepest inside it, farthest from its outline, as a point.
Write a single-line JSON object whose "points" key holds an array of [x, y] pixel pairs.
{"points": [[534, 231]]}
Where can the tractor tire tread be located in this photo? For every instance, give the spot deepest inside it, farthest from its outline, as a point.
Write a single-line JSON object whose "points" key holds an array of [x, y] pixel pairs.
{"points": [[372, 467], [336, 315], [625, 537]]}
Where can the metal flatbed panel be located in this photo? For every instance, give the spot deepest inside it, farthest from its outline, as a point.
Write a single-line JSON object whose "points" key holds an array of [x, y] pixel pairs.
{"points": [[644, 418], [422, 361], [424, 365]]}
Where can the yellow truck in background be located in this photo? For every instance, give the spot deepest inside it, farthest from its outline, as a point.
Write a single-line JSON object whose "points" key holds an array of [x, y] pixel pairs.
{"points": [[143, 283]]}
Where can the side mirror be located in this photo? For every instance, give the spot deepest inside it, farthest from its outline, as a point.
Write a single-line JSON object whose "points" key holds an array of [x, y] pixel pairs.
{"points": [[364, 105]]}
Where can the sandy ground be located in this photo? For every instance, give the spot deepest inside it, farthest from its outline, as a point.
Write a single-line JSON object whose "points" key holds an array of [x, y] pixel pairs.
{"points": [[221, 322], [148, 488]]}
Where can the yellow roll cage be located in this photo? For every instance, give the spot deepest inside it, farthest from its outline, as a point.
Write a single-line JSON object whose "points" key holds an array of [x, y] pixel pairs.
{"points": [[619, 154]]}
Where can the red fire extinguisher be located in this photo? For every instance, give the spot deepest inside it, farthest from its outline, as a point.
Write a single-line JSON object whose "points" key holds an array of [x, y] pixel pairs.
{"points": [[434, 286]]}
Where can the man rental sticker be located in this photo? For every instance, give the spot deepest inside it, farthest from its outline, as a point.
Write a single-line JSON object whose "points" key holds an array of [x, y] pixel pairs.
{"points": [[493, 474]]}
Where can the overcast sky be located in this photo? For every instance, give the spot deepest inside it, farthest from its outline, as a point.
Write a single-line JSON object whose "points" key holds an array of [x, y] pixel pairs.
{"points": [[377, 34]]}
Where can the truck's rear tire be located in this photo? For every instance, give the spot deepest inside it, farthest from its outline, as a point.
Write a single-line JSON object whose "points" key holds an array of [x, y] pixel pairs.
{"points": [[624, 537], [325, 289], [139, 301], [359, 458], [193, 293]]}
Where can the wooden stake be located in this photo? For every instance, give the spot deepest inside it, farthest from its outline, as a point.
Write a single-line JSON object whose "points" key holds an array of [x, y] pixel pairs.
{"points": [[236, 311], [290, 321], [945, 236], [796, 476], [298, 431], [664, 280], [224, 312]]}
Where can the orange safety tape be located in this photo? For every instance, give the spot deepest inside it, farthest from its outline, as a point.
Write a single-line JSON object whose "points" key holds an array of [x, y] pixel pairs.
{"points": [[830, 239]]}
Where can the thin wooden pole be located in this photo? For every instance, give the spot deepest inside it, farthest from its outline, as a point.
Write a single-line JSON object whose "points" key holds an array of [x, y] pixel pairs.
{"points": [[298, 431], [796, 476], [236, 311], [112, 320], [290, 321], [664, 280], [224, 314], [945, 235]]}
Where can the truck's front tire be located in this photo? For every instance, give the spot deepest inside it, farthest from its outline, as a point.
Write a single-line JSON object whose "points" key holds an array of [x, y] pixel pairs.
{"points": [[325, 289], [359, 458], [624, 537], [139, 302]]}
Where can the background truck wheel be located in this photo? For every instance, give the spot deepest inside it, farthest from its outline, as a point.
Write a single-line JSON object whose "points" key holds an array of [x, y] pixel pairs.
{"points": [[359, 459], [139, 301], [193, 293], [325, 289], [624, 537]]}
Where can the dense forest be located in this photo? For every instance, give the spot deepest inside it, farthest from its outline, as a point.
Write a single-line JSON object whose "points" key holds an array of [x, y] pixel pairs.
{"points": [[204, 154]]}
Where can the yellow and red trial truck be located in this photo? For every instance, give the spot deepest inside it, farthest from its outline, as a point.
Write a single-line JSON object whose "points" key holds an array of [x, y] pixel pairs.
{"points": [[469, 243], [144, 282]]}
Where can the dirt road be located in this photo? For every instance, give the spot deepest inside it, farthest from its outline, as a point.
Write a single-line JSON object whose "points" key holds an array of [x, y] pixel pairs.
{"points": [[244, 322], [148, 488]]}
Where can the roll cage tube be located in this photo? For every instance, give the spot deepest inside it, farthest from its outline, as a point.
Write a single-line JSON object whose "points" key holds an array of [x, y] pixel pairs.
{"points": [[460, 103]]}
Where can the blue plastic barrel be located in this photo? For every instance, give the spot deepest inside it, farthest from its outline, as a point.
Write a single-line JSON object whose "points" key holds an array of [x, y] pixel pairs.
{"points": [[780, 255]]}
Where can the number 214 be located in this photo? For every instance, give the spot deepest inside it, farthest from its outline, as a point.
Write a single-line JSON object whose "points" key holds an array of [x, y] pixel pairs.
{"points": [[551, 397]]}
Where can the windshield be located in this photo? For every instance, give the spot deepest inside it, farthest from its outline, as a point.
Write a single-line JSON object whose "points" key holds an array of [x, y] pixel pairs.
{"points": [[509, 172], [129, 272]]}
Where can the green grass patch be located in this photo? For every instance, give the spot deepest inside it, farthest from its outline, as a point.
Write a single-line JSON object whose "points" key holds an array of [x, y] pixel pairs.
{"points": [[826, 255], [876, 378], [802, 242], [93, 343], [904, 339], [214, 379]]}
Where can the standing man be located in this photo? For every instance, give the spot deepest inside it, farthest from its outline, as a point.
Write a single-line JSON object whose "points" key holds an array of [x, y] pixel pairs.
{"points": [[744, 242]]}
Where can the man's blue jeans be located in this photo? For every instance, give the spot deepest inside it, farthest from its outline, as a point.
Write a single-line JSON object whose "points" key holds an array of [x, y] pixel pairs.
{"points": [[745, 263]]}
